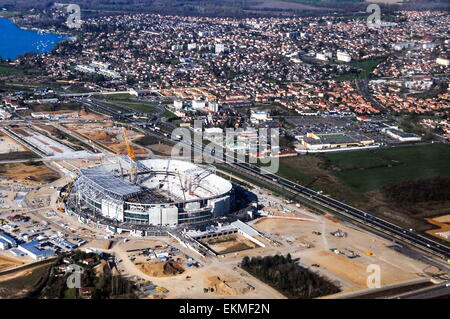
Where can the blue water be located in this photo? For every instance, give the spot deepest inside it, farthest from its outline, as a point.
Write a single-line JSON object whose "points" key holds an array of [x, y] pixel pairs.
{"points": [[15, 41]]}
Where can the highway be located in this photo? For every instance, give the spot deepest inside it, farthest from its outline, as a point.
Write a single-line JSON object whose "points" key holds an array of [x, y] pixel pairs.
{"points": [[392, 230], [356, 214], [436, 291]]}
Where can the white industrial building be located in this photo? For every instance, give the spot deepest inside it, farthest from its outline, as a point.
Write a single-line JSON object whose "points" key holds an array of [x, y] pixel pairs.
{"points": [[443, 61], [220, 47], [343, 56], [198, 104], [8, 239], [257, 116], [401, 136], [4, 245], [98, 68], [191, 46], [324, 56], [213, 106], [178, 104]]}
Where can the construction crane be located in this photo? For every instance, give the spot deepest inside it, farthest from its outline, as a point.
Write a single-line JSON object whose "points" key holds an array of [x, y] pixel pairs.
{"points": [[62, 198], [131, 155], [130, 150]]}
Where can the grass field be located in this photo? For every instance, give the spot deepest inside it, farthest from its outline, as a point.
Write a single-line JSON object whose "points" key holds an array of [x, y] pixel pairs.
{"points": [[140, 106], [70, 293], [7, 70], [370, 170], [168, 114], [113, 96], [366, 67], [116, 101], [9, 14], [358, 177]]}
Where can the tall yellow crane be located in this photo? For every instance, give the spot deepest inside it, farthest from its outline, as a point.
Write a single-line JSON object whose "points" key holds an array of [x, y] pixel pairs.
{"points": [[128, 144], [131, 155]]}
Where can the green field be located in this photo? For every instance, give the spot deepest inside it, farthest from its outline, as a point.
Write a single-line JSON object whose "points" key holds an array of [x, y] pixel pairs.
{"points": [[349, 173], [9, 14], [70, 293], [7, 70], [143, 107], [167, 113], [366, 67], [370, 170], [116, 100], [113, 96], [359, 178]]}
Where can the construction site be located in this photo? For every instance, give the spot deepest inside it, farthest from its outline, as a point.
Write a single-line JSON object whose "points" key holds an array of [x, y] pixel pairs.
{"points": [[341, 251], [39, 141], [227, 244], [150, 192], [168, 223], [108, 136], [442, 224]]}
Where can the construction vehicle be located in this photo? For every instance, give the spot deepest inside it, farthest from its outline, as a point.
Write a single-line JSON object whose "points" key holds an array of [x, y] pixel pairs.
{"points": [[369, 253], [339, 233]]}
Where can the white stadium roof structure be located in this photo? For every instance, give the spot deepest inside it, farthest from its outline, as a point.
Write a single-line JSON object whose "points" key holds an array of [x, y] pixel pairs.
{"points": [[116, 187], [154, 192], [193, 181]]}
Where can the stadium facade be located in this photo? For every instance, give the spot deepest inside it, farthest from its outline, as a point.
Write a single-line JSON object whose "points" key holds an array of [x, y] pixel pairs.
{"points": [[154, 192]]}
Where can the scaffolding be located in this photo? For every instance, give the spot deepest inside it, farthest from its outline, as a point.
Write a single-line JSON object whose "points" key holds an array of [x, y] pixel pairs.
{"points": [[197, 175], [101, 180]]}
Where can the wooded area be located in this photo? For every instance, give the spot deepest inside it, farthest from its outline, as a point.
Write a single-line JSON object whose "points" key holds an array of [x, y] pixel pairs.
{"points": [[291, 279], [420, 190]]}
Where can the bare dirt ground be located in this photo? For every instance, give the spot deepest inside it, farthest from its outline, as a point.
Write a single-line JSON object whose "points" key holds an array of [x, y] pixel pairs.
{"points": [[443, 224], [23, 172], [192, 282], [109, 136], [225, 286], [82, 115], [161, 149], [229, 243], [443, 219], [161, 269], [350, 272], [18, 284], [8, 263], [103, 244], [21, 132], [8, 145]]}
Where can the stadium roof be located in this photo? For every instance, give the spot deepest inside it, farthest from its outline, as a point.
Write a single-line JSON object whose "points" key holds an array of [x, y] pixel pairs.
{"points": [[110, 183]]}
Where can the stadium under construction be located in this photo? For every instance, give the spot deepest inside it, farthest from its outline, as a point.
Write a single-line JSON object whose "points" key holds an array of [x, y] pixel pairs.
{"points": [[153, 193]]}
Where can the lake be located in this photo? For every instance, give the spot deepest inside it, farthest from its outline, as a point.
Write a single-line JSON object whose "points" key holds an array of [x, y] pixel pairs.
{"points": [[15, 41]]}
